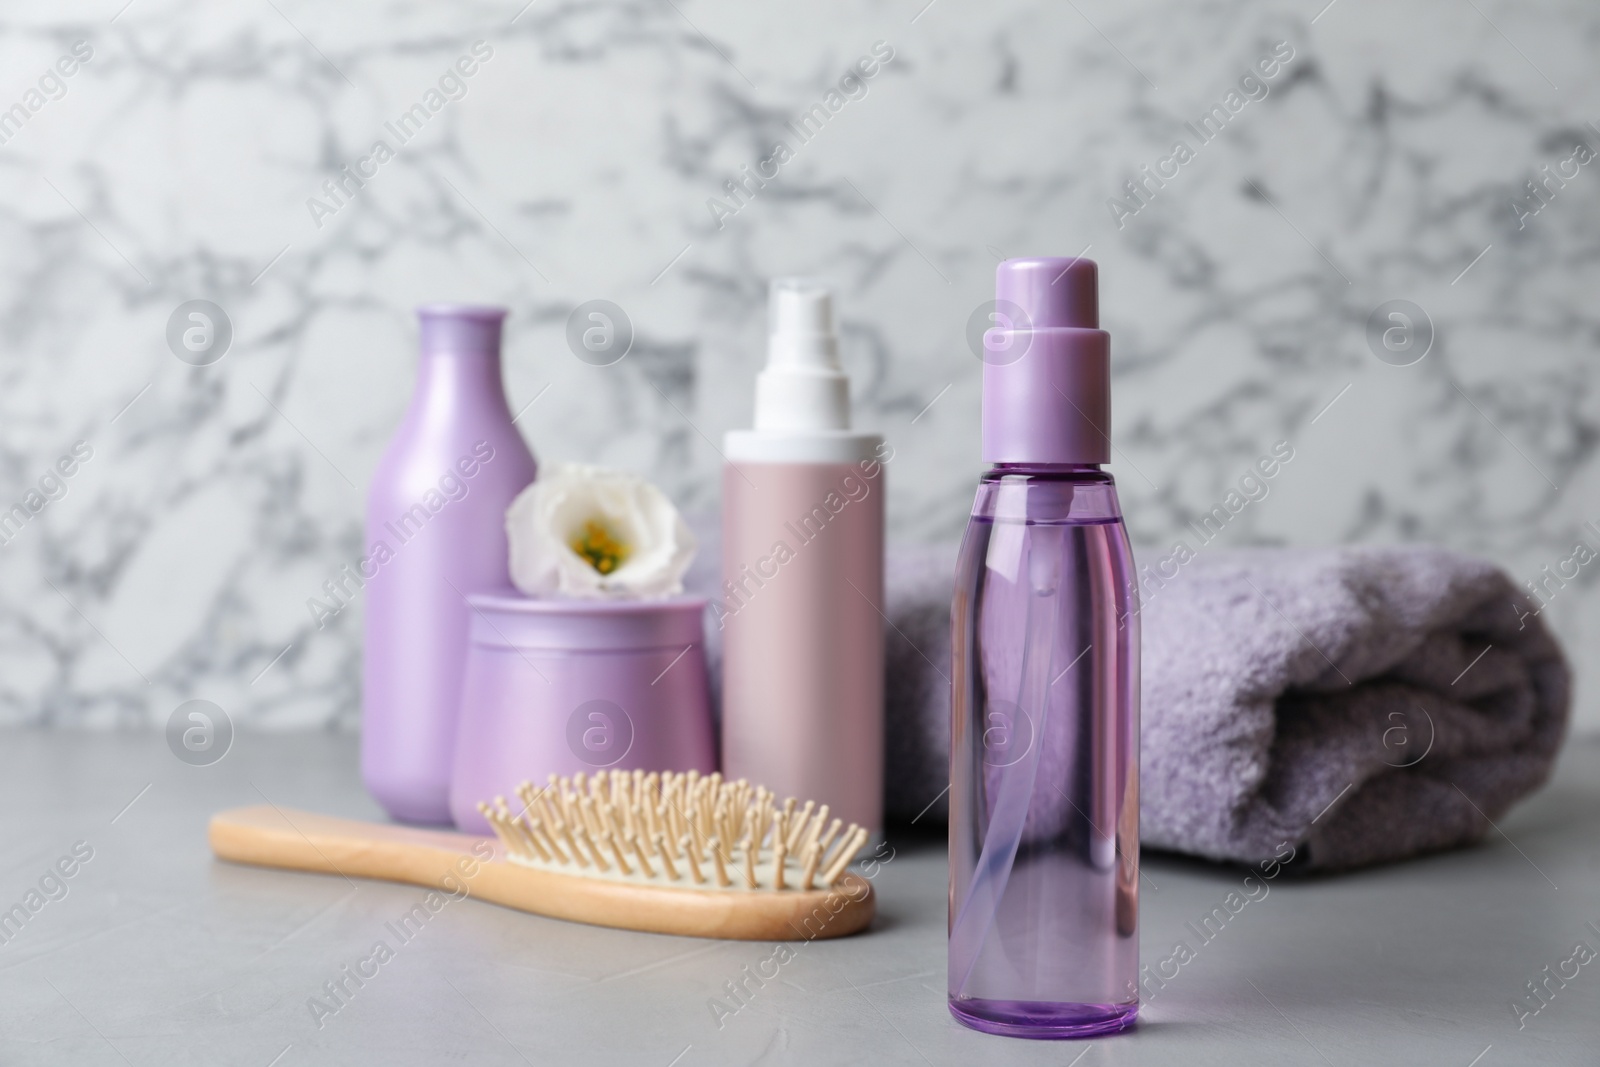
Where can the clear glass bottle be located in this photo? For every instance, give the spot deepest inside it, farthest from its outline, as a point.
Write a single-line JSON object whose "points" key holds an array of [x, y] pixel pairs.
{"points": [[1044, 797]]}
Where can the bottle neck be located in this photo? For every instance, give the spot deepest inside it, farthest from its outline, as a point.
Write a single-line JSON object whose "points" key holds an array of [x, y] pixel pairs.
{"points": [[1047, 492], [1076, 472], [449, 383]]}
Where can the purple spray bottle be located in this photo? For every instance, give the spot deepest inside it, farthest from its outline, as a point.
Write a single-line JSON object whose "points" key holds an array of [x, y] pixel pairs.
{"points": [[435, 536], [1044, 754]]}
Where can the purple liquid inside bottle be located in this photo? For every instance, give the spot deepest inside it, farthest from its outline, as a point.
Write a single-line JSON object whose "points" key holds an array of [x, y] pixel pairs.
{"points": [[1044, 799]]}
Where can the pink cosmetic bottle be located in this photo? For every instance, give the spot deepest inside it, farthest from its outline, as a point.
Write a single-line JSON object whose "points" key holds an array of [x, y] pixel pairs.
{"points": [[802, 568]]}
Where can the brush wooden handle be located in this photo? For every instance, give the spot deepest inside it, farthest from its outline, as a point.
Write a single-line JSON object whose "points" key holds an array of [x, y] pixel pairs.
{"points": [[299, 840]]}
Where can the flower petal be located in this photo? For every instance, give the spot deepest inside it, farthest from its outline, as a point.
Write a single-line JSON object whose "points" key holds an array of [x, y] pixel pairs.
{"points": [[547, 518]]}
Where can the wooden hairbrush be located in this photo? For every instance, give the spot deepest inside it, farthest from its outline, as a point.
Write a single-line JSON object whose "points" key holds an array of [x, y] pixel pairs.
{"points": [[665, 853]]}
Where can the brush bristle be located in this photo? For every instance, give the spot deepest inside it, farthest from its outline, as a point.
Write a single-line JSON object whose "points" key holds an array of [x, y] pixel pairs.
{"points": [[675, 829]]}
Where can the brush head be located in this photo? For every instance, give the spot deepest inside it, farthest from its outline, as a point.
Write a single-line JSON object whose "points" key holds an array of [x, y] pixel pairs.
{"points": [[684, 830]]}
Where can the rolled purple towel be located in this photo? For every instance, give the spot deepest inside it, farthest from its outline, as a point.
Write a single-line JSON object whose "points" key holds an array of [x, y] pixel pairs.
{"points": [[1361, 704]]}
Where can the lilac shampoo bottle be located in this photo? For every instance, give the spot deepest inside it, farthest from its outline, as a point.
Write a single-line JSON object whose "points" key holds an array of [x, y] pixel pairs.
{"points": [[1044, 754], [435, 536]]}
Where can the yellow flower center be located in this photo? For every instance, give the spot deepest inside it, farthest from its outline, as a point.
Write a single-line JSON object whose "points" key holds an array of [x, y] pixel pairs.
{"points": [[600, 547]]}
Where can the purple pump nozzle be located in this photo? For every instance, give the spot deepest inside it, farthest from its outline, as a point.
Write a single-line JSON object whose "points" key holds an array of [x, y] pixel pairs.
{"points": [[1052, 291], [1047, 365]]}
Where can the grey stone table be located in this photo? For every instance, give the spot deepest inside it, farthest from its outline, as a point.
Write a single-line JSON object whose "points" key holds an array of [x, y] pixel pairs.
{"points": [[152, 952]]}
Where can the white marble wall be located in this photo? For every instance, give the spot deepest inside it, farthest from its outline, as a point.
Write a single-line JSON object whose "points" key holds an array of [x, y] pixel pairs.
{"points": [[177, 161]]}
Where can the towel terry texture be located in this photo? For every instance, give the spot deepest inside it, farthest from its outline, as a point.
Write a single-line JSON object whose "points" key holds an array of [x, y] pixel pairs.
{"points": [[1362, 704], [1366, 703]]}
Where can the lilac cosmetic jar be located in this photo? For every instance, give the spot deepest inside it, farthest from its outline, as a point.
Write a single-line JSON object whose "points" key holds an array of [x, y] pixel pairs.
{"points": [[562, 686]]}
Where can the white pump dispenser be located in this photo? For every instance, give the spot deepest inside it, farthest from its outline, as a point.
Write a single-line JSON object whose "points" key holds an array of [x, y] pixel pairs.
{"points": [[803, 396], [803, 387]]}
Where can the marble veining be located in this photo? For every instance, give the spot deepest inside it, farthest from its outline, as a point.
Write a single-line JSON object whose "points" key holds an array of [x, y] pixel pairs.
{"points": [[199, 152]]}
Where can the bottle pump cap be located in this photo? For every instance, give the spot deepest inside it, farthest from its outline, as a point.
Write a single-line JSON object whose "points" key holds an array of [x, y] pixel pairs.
{"points": [[1047, 365], [803, 389]]}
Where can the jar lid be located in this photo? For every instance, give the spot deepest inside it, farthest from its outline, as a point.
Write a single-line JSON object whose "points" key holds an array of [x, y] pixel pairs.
{"points": [[501, 620]]}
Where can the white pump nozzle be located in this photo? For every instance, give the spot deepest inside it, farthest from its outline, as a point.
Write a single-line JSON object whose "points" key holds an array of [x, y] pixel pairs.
{"points": [[802, 388]]}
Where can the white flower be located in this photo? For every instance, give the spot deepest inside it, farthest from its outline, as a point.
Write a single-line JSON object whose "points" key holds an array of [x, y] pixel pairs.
{"points": [[582, 531]]}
